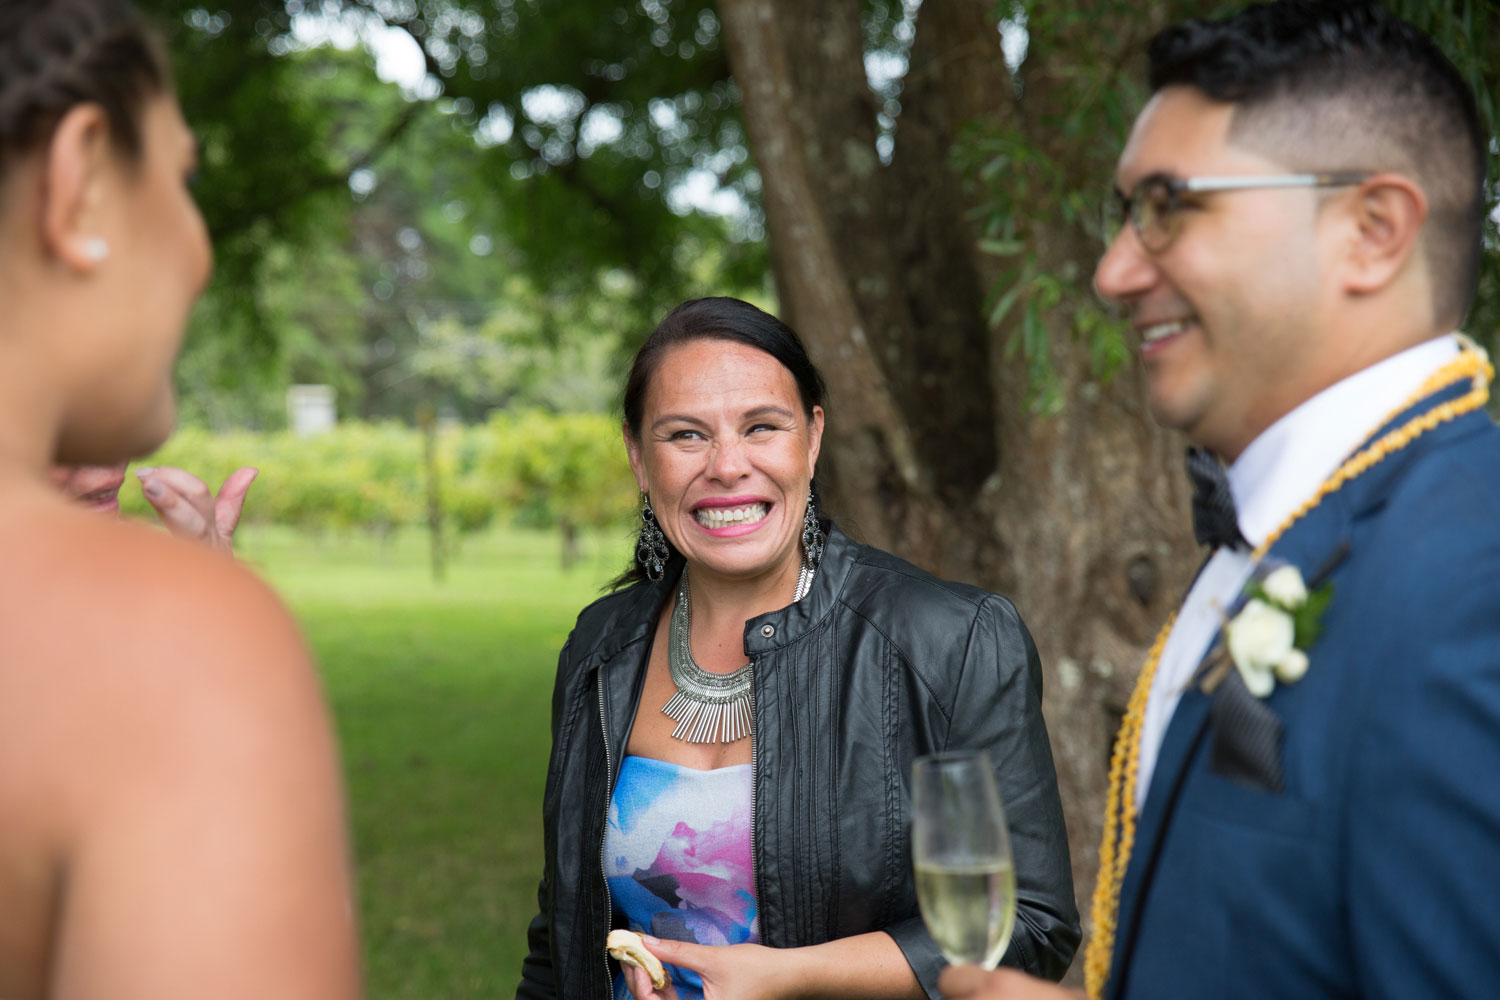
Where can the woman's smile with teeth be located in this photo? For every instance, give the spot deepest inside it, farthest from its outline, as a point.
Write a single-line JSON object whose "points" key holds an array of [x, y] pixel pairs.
{"points": [[723, 517]]}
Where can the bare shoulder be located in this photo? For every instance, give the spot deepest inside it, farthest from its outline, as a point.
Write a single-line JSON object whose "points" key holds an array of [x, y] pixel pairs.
{"points": [[151, 645], [158, 604], [165, 748]]}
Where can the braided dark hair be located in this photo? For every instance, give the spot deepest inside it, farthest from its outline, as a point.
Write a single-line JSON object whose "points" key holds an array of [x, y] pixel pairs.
{"points": [[57, 54]]}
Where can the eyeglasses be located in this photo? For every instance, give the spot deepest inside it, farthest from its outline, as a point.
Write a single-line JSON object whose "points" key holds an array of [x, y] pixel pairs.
{"points": [[1154, 206]]}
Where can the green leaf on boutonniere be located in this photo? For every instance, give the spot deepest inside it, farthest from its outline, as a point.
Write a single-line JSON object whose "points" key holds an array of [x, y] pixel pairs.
{"points": [[1308, 619]]}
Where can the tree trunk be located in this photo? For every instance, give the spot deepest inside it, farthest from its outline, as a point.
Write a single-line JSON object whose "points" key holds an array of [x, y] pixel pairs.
{"points": [[571, 552], [1080, 517], [427, 421]]}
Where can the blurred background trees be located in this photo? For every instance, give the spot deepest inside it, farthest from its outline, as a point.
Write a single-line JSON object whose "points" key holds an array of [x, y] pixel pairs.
{"points": [[482, 206]]}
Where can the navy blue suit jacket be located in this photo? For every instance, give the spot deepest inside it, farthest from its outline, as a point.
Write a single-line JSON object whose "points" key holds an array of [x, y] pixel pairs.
{"points": [[1375, 872]]}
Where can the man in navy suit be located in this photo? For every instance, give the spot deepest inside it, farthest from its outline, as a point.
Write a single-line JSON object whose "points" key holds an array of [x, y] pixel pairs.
{"points": [[1309, 808]]}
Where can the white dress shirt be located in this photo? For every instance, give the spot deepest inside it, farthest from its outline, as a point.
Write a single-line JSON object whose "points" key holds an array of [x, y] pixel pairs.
{"points": [[1277, 473]]}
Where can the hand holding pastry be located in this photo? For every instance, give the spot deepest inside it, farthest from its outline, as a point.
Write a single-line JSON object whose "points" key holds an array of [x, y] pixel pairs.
{"points": [[627, 948]]}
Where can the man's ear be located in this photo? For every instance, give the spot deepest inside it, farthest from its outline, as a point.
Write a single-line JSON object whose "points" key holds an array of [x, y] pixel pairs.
{"points": [[79, 157], [1387, 212]]}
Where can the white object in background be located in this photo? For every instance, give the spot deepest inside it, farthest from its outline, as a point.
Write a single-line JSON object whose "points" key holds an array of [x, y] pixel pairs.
{"points": [[310, 409]]}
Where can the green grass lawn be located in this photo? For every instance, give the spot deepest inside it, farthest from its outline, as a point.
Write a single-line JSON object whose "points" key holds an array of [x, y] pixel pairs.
{"points": [[441, 695]]}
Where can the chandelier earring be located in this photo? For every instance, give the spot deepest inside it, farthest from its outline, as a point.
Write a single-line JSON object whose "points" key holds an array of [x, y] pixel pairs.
{"points": [[812, 532], [651, 544]]}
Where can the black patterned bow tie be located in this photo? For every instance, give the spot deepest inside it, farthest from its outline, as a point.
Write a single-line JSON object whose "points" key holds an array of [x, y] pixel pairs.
{"points": [[1215, 522]]}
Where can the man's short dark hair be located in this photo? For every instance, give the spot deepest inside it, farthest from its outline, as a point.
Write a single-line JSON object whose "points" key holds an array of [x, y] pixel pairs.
{"points": [[1346, 85]]}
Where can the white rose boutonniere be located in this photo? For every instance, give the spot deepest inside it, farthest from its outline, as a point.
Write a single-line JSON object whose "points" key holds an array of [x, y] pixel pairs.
{"points": [[1284, 586], [1259, 638], [1266, 639]]}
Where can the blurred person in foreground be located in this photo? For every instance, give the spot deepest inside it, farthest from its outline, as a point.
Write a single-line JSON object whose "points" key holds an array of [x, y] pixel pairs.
{"points": [[1302, 802], [771, 860], [183, 501], [170, 810]]}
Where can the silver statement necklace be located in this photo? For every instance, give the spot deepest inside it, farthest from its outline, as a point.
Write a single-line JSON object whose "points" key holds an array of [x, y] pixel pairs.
{"points": [[708, 707]]}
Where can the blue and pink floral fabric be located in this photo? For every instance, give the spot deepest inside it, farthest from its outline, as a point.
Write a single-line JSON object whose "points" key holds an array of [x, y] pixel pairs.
{"points": [[677, 857]]}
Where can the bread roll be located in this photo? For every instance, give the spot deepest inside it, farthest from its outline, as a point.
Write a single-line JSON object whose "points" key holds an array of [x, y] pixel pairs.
{"points": [[627, 948]]}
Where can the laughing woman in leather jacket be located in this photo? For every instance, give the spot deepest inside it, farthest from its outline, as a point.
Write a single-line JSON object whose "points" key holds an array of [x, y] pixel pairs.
{"points": [[771, 859]]}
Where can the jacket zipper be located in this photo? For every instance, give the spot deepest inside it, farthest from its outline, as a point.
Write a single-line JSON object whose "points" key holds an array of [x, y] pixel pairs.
{"points": [[754, 868], [609, 774]]}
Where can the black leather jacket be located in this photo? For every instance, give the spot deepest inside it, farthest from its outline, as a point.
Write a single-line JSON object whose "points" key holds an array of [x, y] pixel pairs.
{"points": [[878, 664]]}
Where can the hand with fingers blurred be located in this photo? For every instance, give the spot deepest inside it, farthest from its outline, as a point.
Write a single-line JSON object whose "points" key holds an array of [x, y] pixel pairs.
{"points": [[189, 510]]}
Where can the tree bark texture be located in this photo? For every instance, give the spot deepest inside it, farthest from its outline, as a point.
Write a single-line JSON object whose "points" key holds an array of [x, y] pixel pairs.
{"points": [[1081, 517]]}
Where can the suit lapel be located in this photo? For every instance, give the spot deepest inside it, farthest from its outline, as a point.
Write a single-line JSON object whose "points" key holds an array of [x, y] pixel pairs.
{"points": [[1180, 744], [1316, 544]]}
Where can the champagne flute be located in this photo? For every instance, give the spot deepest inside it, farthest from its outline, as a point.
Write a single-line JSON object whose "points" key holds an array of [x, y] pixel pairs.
{"points": [[966, 885]]}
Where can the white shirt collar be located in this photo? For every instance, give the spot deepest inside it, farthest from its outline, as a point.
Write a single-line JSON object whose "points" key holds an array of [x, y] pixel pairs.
{"points": [[1290, 459]]}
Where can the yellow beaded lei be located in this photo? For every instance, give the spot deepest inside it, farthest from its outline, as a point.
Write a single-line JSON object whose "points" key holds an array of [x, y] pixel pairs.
{"points": [[1119, 806]]}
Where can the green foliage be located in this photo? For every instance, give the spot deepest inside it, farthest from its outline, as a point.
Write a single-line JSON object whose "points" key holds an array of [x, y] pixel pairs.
{"points": [[544, 470], [567, 470], [596, 111], [390, 243], [1468, 31], [562, 134], [1308, 618], [553, 352], [267, 171], [359, 476], [1043, 172], [498, 236]]}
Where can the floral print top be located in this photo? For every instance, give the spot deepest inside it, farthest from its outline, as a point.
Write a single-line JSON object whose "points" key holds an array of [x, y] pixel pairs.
{"points": [[677, 857]]}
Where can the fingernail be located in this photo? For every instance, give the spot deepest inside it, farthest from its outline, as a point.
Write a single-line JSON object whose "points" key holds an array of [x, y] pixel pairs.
{"points": [[144, 470], [153, 490]]}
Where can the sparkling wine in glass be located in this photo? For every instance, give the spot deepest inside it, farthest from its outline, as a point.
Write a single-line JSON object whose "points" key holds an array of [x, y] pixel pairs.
{"points": [[966, 885]]}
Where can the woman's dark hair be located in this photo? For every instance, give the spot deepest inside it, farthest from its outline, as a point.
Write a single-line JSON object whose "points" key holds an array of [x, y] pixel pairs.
{"points": [[57, 54], [720, 318], [717, 318]]}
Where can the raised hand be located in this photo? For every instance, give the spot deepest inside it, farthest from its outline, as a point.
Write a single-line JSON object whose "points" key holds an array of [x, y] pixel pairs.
{"points": [[189, 510]]}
